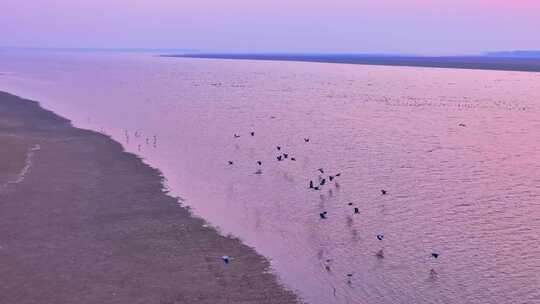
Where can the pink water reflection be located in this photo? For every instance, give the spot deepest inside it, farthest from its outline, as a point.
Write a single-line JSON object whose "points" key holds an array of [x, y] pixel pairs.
{"points": [[469, 193]]}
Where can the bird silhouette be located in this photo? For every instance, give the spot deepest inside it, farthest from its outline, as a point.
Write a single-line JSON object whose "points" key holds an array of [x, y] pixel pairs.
{"points": [[323, 215], [321, 170], [311, 184], [383, 192], [259, 162], [356, 210], [279, 157], [331, 177], [230, 162], [293, 159], [285, 155], [380, 237], [306, 139], [279, 148], [252, 133], [236, 135], [435, 255]]}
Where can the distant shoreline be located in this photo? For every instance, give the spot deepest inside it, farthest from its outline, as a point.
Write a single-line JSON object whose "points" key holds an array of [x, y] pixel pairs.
{"points": [[521, 64]]}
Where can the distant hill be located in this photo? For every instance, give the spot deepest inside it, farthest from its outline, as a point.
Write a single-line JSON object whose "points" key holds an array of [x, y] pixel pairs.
{"points": [[515, 54]]}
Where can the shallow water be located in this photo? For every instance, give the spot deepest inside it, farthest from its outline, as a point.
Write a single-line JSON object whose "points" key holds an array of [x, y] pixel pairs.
{"points": [[470, 193]]}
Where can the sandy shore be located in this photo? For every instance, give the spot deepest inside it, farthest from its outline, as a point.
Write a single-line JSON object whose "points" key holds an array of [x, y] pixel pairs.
{"points": [[81, 221]]}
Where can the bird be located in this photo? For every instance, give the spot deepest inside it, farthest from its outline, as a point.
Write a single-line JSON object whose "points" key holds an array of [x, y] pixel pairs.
{"points": [[293, 159], [226, 259], [435, 255], [323, 215], [236, 135], [279, 148], [311, 184], [285, 155], [356, 210], [259, 171], [306, 139], [350, 204], [230, 162], [331, 177], [383, 192], [259, 162], [252, 133], [339, 174], [316, 188], [323, 181], [279, 157], [321, 170], [462, 125], [380, 237]]}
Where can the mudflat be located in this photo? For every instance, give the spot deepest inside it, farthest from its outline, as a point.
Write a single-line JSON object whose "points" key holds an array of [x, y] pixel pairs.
{"points": [[82, 221]]}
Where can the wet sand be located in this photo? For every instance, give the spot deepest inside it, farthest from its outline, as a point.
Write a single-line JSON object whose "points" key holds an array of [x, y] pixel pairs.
{"points": [[90, 223]]}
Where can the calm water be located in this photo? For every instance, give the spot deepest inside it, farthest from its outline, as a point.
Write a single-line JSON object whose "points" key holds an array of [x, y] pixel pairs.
{"points": [[470, 193]]}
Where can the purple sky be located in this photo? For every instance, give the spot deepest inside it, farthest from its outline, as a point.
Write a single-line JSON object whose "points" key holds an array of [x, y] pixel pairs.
{"points": [[388, 26]]}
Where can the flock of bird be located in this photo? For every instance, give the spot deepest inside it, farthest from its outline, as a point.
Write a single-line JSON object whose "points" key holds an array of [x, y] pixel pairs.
{"points": [[317, 185]]}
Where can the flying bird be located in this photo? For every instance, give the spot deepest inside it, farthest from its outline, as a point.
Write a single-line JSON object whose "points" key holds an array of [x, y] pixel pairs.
{"points": [[380, 237], [321, 170]]}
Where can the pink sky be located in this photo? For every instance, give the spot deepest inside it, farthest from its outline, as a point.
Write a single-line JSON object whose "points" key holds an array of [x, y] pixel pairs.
{"points": [[390, 26]]}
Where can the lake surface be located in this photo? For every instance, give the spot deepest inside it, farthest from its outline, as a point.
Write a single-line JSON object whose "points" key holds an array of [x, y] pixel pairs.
{"points": [[456, 150]]}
